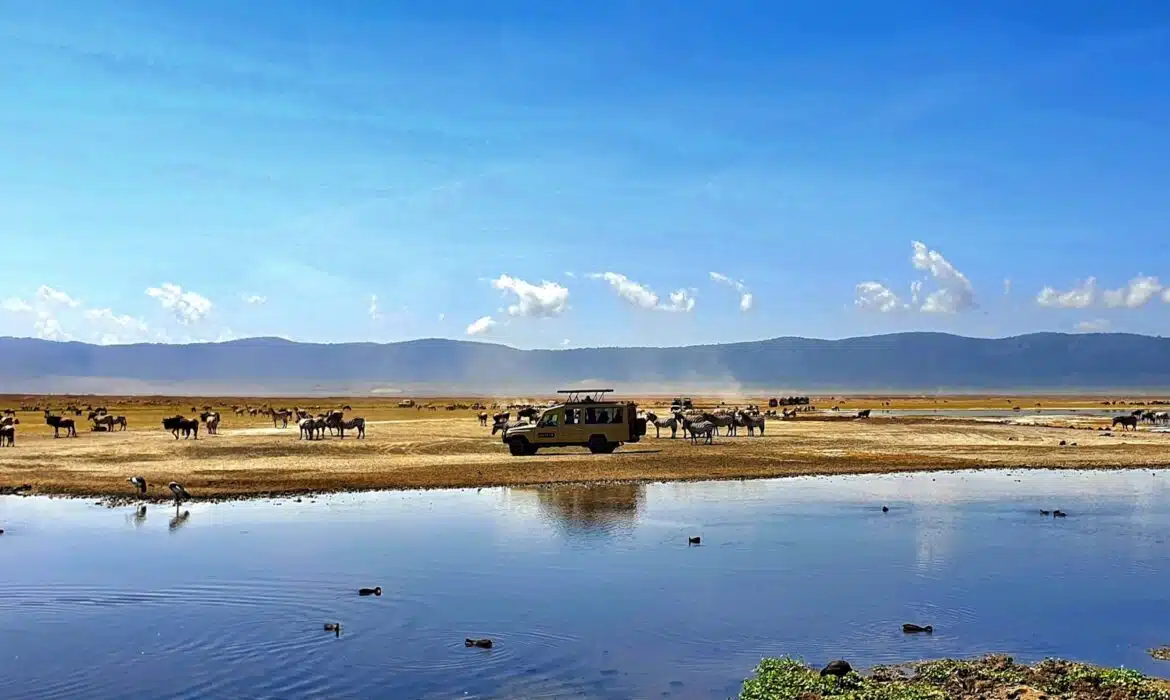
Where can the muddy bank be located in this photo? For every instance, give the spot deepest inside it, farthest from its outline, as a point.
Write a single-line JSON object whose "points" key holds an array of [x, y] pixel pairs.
{"points": [[991, 677]]}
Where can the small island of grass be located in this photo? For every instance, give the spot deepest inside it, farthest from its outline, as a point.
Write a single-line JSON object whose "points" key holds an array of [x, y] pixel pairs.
{"points": [[997, 677]]}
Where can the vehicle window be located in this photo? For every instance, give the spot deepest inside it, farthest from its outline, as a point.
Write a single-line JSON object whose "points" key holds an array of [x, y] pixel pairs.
{"points": [[572, 416], [550, 419], [616, 416], [596, 416]]}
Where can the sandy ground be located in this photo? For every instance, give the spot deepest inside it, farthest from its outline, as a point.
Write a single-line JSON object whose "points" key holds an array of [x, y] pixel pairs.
{"points": [[407, 448]]}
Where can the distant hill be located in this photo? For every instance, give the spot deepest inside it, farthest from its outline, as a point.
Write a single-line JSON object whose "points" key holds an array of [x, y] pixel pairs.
{"points": [[898, 362]]}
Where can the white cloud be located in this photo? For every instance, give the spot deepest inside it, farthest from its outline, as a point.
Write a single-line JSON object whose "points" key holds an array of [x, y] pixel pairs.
{"points": [[915, 292], [875, 296], [255, 300], [745, 300], [54, 296], [373, 308], [1007, 287], [481, 325], [1098, 325], [188, 307], [682, 301], [114, 329], [442, 317], [225, 335], [49, 328], [1166, 295], [955, 292], [1079, 297], [1137, 293], [16, 306], [627, 289], [544, 300], [565, 343]]}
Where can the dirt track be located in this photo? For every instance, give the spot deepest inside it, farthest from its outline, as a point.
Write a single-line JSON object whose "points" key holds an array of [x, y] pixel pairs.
{"points": [[410, 449]]}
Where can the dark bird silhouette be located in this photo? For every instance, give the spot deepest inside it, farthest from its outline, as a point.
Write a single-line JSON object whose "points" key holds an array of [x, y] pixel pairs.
{"points": [[694, 540], [478, 643], [334, 627], [885, 509], [1045, 512], [139, 483], [370, 591], [180, 492], [1059, 513], [909, 628], [838, 668]]}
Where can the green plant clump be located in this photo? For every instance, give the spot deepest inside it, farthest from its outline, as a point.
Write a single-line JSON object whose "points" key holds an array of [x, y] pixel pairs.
{"points": [[950, 679]]}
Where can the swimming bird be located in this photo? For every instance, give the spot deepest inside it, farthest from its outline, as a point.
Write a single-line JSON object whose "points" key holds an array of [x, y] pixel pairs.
{"points": [[1058, 513], [885, 509], [370, 591], [139, 483], [694, 540], [334, 627], [480, 643], [909, 628], [180, 492], [1045, 512]]}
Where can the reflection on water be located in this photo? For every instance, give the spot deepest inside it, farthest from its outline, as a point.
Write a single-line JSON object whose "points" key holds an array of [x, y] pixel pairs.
{"points": [[587, 591], [589, 509]]}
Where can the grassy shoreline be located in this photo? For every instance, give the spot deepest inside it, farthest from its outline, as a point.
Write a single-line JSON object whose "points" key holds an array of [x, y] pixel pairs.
{"points": [[995, 677]]}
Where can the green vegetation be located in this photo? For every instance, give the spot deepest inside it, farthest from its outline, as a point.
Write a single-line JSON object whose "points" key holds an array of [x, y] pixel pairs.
{"points": [[949, 679]]}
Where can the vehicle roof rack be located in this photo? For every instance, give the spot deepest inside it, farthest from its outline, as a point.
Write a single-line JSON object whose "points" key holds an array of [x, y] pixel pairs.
{"points": [[593, 395]]}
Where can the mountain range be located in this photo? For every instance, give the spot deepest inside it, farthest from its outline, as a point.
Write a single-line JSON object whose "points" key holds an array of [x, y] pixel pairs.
{"points": [[903, 362]]}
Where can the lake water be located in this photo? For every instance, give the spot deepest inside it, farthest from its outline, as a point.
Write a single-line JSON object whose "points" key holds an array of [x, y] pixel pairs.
{"points": [[588, 592]]}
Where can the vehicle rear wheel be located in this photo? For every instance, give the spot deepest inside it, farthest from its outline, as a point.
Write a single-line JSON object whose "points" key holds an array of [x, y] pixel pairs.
{"points": [[599, 445]]}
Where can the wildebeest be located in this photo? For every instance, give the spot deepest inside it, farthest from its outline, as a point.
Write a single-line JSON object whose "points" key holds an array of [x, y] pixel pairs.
{"points": [[528, 413], [211, 418], [189, 426], [483, 417], [8, 435], [1126, 422], [58, 423], [863, 413]]}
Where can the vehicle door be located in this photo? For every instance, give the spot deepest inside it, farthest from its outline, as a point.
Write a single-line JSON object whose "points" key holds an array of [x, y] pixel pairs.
{"points": [[573, 427], [548, 427], [599, 421]]}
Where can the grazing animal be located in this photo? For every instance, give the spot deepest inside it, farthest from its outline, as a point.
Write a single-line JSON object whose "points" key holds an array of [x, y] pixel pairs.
{"points": [[529, 413], [357, 423], [910, 628], [211, 418], [660, 423], [333, 420], [702, 428], [863, 414], [8, 435], [721, 420], [1126, 422], [180, 492], [139, 483], [370, 591], [107, 422], [188, 426], [280, 416], [477, 643], [58, 423], [752, 421], [483, 417]]}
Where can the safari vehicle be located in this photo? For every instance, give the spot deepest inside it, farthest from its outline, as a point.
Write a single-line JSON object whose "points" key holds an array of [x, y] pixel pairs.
{"points": [[585, 418]]}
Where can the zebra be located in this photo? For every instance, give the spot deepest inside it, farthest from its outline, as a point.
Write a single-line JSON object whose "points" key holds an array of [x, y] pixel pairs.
{"points": [[704, 428], [660, 423]]}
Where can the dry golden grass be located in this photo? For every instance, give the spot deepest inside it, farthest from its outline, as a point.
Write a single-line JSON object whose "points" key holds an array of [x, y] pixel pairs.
{"points": [[407, 448]]}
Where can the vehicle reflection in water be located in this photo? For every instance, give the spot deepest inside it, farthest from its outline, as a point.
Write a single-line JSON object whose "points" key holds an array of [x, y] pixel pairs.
{"points": [[588, 510]]}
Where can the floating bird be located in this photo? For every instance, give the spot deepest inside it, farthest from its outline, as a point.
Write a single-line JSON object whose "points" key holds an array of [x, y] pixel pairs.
{"points": [[694, 540], [370, 591], [909, 628], [1059, 513], [480, 643], [334, 627], [1045, 512], [180, 492], [139, 483], [885, 509]]}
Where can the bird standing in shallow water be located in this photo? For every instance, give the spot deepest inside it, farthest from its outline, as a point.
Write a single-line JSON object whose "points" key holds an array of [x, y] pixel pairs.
{"points": [[180, 492], [139, 483]]}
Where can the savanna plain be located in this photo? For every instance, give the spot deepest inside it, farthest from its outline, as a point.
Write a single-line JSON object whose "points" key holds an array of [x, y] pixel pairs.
{"points": [[440, 442]]}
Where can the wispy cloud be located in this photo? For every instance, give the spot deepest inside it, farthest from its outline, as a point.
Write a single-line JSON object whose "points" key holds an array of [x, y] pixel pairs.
{"points": [[16, 306], [110, 328], [1097, 325], [188, 307], [481, 325], [546, 299], [255, 299], [1007, 287], [746, 300], [642, 297], [1079, 297], [372, 310], [1136, 294]]}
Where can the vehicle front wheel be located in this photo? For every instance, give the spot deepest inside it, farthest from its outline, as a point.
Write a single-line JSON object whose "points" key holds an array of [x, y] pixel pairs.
{"points": [[518, 447]]}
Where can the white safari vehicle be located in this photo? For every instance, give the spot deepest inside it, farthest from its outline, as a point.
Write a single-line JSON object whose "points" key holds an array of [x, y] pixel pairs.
{"points": [[584, 418]]}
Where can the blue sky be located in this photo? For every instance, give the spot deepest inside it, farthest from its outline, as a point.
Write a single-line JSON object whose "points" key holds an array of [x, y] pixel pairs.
{"points": [[577, 171]]}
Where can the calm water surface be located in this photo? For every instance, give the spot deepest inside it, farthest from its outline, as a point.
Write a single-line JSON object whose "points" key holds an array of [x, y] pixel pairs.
{"points": [[588, 592]]}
